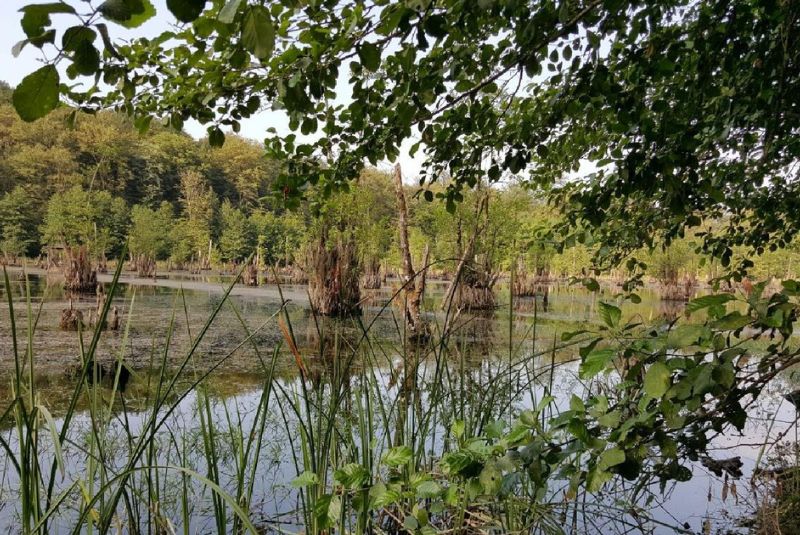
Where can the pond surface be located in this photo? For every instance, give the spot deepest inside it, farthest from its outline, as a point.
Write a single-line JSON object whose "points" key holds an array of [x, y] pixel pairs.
{"points": [[496, 363]]}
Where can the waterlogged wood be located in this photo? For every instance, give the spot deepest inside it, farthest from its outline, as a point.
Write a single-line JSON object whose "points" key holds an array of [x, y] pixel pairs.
{"points": [[413, 281]]}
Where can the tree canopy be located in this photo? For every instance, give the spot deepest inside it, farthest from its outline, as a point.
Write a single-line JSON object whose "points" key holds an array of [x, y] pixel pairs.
{"points": [[682, 111]]}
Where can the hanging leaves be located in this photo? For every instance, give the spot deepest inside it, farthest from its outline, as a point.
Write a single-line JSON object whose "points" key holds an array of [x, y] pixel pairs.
{"points": [[258, 33], [186, 10], [37, 94]]}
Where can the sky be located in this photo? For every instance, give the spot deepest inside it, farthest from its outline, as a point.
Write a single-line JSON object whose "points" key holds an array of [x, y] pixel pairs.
{"points": [[13, 70]]}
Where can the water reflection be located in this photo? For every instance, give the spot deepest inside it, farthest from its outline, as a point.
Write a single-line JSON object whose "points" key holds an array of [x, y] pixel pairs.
{"points": [[486, 372]]}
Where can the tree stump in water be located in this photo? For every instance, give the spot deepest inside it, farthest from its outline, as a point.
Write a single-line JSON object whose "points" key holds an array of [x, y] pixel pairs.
{"points": [[79, 276], [333, 278], [249, 276], [71, 318], [145, 266], [675, 290], [475, 289], [372, 274]]}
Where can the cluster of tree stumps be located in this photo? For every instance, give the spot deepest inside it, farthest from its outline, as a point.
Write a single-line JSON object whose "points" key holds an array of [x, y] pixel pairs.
{"points": [[80, 276], [80, 280], [73, 319], [334, 273]]}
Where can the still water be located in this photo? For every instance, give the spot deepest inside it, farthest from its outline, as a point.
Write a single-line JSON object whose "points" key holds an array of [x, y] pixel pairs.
{"points": [[160, 321]]}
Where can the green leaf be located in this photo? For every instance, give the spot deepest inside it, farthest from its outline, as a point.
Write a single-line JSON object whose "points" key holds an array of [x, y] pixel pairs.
{"points": [[122, 11], [258, 33], [86, 58], [137, 19], [610, 457], [491, 478], [16, 50], [327, 510], [684, 336], [186, 10], [595, 362], [708, 301], [610, 419], [370, 56], [428, 489], [352, 476], [306, 479], [228, 11], [397, 456], [37, 94], [74, 36], [216, 137], [610, 314], [436, 26], [733, 321], [36, 16], [657, 380], [597, 478]]}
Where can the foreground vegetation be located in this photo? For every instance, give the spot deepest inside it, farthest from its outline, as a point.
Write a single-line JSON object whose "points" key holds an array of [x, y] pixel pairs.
{"points": [[403, 437]]}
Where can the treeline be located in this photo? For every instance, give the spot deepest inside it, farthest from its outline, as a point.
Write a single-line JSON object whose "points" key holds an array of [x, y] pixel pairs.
{"points": [[174, 199]]}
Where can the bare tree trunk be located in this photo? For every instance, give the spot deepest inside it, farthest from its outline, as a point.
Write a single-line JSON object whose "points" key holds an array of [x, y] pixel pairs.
{"points": [[466, 254], [413, 286]]}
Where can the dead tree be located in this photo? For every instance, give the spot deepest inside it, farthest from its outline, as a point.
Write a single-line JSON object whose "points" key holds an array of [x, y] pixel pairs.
{"points": [[413, 281], [372, 279], [333, 278], [472, 286], [79, 275]]}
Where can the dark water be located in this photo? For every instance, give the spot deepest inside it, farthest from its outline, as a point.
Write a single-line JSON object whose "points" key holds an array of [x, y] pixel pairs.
{"points": [[240, 343]]}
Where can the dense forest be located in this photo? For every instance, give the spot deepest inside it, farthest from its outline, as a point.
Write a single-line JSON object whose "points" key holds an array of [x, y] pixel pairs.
{"points": [[187, 205]]}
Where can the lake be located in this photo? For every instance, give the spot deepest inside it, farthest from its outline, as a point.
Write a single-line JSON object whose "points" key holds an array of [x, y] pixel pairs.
{"points": [[479, 368]]}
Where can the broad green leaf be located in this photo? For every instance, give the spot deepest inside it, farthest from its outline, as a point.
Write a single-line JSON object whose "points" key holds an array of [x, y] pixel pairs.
{"points": [[428, 489], [370, 56], [122, 11], [597, 478], [36, 16], [327, 510], [305, 479], [352, 476], [567, 336], [491, 478], [37, 94], [397, 456], [731, 322], [137, 19], [684, 336], [657, 380], [228, 11], [74, 36], [258, 33], [610, 457], [708, 301], [610, 419], [16, 50], [186, 10], [86, 58], [216, 137], [595, 362], [610, 314]]}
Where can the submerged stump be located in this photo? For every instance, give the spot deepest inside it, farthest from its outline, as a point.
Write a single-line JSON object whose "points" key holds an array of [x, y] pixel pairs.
{"points": [[145, 266], [71, 318], [372, 279], [333, 278], [79, 275]]}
